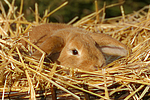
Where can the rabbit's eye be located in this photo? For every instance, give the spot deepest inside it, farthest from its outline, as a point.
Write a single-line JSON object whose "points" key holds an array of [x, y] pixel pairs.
{"points": [[74, 52]]}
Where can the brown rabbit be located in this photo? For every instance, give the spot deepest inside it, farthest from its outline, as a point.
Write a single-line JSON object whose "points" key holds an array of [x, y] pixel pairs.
{"points": [[76, 47]]}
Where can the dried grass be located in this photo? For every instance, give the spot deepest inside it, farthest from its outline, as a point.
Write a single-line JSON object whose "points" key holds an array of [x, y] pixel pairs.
{"points": [[24, 77]]}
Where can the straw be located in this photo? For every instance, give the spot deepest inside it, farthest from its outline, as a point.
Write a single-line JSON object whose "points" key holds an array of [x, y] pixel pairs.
{"points": [[25, 77]]}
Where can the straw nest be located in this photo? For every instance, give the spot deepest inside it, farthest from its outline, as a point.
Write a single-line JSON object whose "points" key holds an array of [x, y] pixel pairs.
{"points": [[23, 77]]}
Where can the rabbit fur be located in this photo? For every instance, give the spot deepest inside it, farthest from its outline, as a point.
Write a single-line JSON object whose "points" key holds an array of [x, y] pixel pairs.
{"points": [[75, 47]]}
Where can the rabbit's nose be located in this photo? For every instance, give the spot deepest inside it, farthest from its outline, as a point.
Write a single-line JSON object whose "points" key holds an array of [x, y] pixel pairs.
{"points": [[96, 67]]}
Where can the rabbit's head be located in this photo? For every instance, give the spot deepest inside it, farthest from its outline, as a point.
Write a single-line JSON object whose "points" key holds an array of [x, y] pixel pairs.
{"points": [[80, 52], [77, 48]]}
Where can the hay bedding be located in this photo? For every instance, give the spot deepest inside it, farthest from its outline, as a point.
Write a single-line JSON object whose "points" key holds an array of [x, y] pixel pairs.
{"points": [[23, 77]]}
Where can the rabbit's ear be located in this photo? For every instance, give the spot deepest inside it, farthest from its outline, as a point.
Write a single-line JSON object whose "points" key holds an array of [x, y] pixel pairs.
{"points": [[52, 44], [108, 45]]}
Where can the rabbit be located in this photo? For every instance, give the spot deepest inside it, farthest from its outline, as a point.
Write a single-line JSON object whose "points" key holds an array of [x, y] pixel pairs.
{"points": [[75, 47]]}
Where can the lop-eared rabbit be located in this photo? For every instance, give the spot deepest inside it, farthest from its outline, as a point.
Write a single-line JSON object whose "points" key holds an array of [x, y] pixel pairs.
{"points": [[75, 47]]}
